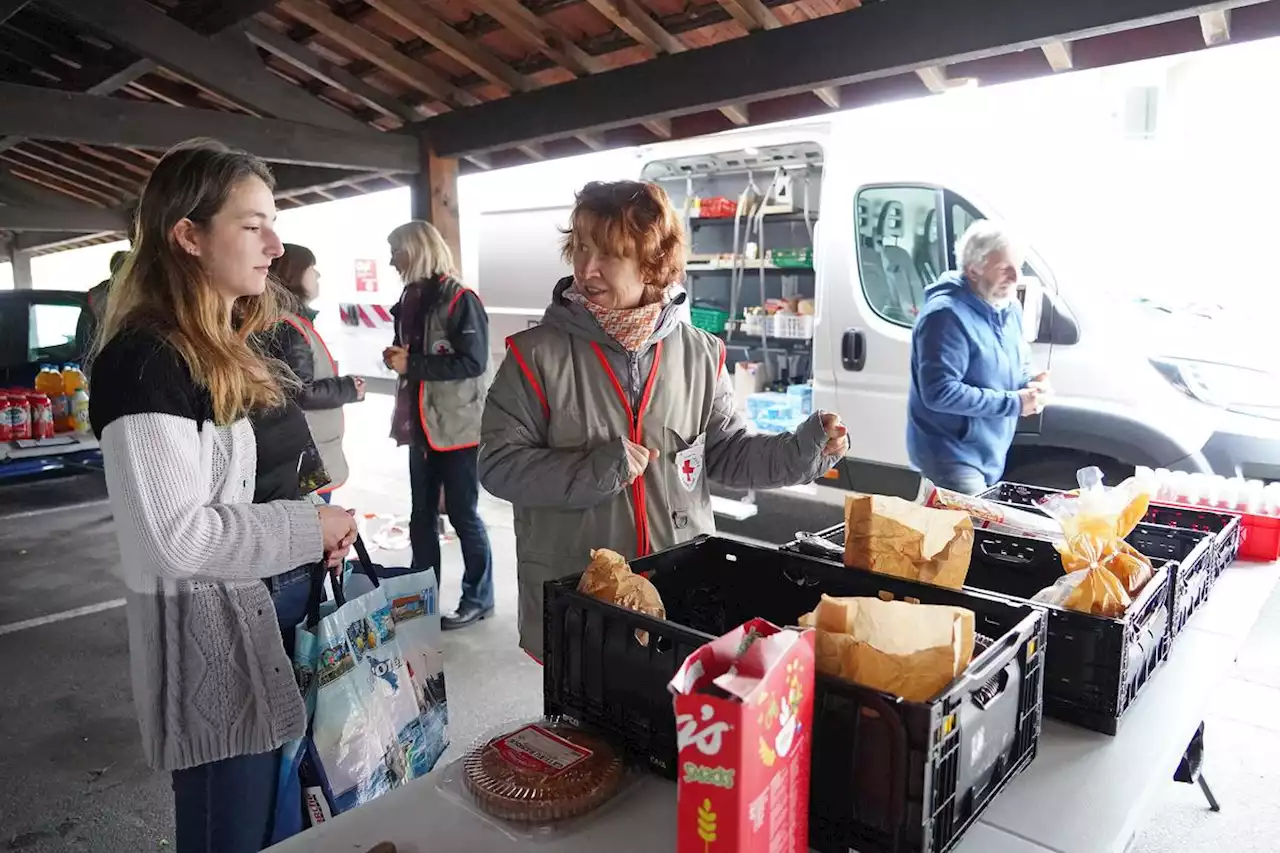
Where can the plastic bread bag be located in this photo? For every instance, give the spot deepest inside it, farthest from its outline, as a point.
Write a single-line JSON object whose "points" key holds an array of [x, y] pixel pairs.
{"points": [[1103, 571], [992, 516]]}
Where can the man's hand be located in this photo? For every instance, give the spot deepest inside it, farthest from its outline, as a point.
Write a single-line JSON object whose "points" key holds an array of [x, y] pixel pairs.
{"points": [[837, 436], [397, 359], [1031, 403], [638, 459], [1041, 383]]}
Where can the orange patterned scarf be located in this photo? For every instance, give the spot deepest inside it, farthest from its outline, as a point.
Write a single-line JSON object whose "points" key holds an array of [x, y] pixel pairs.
{"points": [[631, 327]]}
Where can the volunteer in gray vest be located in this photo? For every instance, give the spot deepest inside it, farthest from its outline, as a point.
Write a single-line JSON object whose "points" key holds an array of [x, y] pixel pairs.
{"points": [[606, 422], [441, 352], [295, 341]]}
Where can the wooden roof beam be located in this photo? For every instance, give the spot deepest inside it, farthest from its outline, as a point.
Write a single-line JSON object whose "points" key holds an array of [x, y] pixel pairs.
{"points": [[754, 15], [9, 8], [873, 42], [1215, 26], [39, 113], [300, 57], [83, 218], [367, 46], [236, 75], [632, 19], [1058, 54], [540, 34], [426, 26]]}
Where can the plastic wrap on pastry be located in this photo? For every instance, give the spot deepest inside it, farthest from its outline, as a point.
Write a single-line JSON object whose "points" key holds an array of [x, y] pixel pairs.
{"points": [[542, 773]]}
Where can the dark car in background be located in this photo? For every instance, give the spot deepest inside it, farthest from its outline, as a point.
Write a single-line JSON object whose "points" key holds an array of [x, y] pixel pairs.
{"points": [[41, 327]]}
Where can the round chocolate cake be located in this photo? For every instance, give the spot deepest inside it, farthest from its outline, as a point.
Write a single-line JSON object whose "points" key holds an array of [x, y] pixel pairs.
{"points": [[542, 772]]}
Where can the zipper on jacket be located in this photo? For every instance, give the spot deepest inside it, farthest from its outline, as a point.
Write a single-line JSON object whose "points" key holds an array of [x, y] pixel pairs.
{"points": [[635, 430]]}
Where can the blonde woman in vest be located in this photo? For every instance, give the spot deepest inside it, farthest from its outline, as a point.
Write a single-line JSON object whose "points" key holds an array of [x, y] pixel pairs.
{"points": [[174, 384], [295, 341], [441, 352], [606, 422]]}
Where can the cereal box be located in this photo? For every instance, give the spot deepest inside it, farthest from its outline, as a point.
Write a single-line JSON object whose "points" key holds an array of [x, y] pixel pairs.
{"points": [[744, 710]]}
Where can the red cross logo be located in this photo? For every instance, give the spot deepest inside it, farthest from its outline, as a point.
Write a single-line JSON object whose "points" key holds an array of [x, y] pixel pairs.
{"points": [[688, 470]]}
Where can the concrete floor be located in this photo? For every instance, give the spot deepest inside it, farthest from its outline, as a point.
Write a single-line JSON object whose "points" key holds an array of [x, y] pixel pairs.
{"points": [[69, 754]]}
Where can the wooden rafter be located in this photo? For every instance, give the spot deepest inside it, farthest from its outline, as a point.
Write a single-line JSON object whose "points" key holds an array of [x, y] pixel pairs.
{"points": [[299, 56], [414, 17], [364, 44], [754, 15], [9, 8], [540, 34], [632, 19], [56, 160], [18, 170], [217, 66]]}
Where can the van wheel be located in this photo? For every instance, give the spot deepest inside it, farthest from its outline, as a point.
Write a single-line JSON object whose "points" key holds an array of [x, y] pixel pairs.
{"points": [[1052, 469]]}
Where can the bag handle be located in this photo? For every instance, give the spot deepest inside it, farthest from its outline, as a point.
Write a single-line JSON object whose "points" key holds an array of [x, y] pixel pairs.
{"points": [[320, 569]]}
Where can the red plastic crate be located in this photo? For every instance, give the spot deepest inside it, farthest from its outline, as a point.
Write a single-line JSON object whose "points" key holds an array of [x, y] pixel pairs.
{"points": [[1261, 538], [717, 207]]}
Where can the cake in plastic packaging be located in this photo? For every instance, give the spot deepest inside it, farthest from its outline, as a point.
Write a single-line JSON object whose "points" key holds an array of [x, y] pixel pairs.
{"points": [[542, 773]]}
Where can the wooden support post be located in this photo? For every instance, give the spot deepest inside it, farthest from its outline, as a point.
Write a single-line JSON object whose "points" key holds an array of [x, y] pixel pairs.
{"points": [[435, 198], [21, 271]]}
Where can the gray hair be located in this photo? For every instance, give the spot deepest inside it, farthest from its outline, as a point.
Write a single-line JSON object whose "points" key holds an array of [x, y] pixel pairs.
{"points": [[979, 241]]}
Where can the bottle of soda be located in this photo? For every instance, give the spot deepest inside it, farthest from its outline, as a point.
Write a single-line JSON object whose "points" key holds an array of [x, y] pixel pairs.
{"points": [[80, 411], [49, 382], [41, 416], [5, 430], [73, 380]]}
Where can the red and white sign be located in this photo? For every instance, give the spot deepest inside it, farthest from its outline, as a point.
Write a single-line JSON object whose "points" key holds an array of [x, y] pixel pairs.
{"points": [[366, 275]]}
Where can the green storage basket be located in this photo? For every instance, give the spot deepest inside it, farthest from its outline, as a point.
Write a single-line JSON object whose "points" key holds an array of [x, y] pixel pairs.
{"points": [[793, 258], [711, 320]]}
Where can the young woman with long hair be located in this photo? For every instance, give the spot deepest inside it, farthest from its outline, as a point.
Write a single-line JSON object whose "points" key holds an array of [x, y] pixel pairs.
{"points": [[294, 340], [441, 351], [210, 574]]}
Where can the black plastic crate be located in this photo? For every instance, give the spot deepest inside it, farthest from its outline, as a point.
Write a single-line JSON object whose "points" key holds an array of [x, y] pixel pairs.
{"points": [[1199, 562], [1227, 528], [1193, 553], [1094, 666], [888, 776]]}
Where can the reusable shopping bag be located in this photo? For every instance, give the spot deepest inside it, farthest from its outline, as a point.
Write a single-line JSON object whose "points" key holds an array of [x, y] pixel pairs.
{"points": [[370, 668]]}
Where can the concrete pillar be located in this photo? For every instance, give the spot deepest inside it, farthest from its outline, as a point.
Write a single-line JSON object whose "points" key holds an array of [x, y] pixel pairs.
{"points": [[21, 271]]}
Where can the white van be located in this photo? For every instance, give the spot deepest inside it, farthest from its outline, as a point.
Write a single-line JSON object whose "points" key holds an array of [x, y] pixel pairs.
{"points": [[1134, 384]]}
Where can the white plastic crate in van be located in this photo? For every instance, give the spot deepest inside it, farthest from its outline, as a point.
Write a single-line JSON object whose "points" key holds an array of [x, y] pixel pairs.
{"points": [[753, 324], [792, 325]]}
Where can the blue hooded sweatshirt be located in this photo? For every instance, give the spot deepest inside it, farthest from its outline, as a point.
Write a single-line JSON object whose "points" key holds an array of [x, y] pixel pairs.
{"points": [[968, 362]]}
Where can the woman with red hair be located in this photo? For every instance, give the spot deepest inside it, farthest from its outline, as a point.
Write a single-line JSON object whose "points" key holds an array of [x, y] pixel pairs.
{"points": [[606, 422]]}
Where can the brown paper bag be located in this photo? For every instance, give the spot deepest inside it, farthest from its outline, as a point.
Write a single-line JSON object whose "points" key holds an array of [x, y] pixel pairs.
{"points": [[895, 537], [609, 578], [910, 650]]}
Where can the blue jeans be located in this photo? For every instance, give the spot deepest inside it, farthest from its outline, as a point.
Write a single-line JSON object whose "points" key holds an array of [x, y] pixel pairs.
{"points": [[226, 806], [959, 478], [457, 472]]}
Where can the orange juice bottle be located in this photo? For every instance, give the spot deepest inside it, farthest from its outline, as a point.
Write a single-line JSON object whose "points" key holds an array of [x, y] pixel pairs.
{"points": [[73, 380], [49, 382]]}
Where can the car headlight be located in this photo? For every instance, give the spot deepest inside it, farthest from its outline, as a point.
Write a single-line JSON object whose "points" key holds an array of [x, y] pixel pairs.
{"points": [[1226, 386]]}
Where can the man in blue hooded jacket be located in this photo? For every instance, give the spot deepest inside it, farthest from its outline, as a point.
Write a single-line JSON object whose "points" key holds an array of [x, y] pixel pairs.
{"points": [[970, 367]]}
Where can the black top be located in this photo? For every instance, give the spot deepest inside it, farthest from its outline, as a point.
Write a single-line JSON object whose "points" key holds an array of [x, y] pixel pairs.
{"points": [[139, 372], [286, 454]]}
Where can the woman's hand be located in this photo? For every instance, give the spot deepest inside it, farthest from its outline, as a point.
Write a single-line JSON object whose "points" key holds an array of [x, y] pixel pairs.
{"points": [[338, 530], [397, 359], [359, 383], [638, 459], [837, 436]]}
